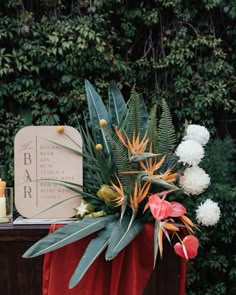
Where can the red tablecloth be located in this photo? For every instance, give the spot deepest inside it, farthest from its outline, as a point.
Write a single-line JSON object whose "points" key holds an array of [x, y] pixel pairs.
{"points": [[126, 274]]}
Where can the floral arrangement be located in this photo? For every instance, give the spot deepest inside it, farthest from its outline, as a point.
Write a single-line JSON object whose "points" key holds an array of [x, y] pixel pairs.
{"points": [[134, 174]]}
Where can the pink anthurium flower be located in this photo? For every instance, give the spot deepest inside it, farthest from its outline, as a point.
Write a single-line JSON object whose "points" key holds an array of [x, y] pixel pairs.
{"points": [[160, 208], [177, 209], [188, 248]]}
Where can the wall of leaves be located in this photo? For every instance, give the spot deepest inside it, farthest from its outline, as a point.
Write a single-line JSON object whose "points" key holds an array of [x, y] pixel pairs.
{"points": [[181, 50]]}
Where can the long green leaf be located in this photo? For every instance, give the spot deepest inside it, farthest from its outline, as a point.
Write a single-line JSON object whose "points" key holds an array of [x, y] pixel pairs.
{"points": [[142, 157], [94, 165], [54, 205], [97, 109], [160, 182], [117, 106], [65, 235], [118, 232], [120, 237], [75, 187], [94, 249]]}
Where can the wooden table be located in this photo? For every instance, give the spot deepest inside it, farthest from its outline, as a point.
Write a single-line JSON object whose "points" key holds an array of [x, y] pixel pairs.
{"points": [[20, 276]]}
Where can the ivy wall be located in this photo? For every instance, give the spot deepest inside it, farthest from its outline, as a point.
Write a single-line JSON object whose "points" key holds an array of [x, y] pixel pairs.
{"points": [[184, 51]]}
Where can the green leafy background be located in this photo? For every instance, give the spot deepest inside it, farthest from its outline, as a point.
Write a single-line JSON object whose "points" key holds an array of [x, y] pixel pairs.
{"points": [[182, 51]]}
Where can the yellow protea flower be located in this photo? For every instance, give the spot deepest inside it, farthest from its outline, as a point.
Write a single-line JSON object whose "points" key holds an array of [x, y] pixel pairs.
{"points": [[107, 193]]}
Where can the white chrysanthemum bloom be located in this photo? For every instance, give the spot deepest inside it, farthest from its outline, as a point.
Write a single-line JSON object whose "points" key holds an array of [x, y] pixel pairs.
{"points": [[194, 181], [190, 152], [208, 213], [197, 133]]}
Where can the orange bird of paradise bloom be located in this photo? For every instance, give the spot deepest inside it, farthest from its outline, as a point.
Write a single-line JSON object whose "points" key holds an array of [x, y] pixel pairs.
{"points": [[120, 190], [167, 175], [139, 194], [188, 223], [136, 147], [151, 166]]}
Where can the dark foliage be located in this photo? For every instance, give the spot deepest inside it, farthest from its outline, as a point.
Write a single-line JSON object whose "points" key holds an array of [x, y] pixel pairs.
{"points": [[183, 51]]}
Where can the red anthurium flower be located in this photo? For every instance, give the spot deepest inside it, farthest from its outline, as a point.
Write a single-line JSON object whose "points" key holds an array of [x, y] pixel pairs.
{"points": [[177, 209], [188, 248], [160, 208]]}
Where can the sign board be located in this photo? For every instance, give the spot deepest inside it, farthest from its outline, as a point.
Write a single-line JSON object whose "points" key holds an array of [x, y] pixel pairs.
{"points": [[42, 157]]}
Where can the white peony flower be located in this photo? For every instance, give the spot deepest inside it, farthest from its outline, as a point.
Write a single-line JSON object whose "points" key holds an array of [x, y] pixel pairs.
{"points": [[194, 181], [208, 213], [190, 152], [197, 133]]}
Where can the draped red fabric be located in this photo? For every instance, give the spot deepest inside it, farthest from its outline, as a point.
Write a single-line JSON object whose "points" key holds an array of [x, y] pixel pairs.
{"points": [[182, 277], [126, 274]]}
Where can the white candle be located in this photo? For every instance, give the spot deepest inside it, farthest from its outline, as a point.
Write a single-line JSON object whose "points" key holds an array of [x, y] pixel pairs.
{"points": [[2, 187], [3, 212]]}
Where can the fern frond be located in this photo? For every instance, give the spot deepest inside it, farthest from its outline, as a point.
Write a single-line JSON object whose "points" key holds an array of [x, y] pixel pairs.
{"points": [[121, 162], [138, 116], [152, 129], [166, 138]]}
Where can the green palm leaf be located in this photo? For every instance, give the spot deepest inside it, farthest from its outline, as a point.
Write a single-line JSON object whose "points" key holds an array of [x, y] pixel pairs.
{"points": [[121, 237], [117, 106], [160, 183], [93, 163], [142, 157], [97, 170], [97, 111], [67, 234], [94, 249], [90, 197]]}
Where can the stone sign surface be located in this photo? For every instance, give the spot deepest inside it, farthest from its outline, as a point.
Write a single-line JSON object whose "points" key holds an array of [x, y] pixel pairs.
{"points": [[40, 161]]}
